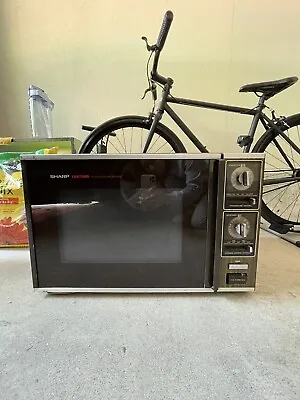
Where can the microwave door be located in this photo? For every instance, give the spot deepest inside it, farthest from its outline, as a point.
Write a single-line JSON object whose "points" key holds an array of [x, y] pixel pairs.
{"points": [[130, 228]]}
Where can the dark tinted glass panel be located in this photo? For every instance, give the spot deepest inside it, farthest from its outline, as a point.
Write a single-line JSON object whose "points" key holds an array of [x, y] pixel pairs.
{"points": [[119, 222], [114, 231]]}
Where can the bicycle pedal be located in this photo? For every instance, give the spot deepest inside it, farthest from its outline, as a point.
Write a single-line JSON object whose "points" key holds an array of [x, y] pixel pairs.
{"points": [[282, 229], [244, 140]]}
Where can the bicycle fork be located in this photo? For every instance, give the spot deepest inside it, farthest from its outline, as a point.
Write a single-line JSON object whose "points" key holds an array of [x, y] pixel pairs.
{"points": [[158, 113]]}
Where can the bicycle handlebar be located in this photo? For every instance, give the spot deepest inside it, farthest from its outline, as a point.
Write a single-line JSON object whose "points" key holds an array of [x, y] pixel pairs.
{"points": [[162, 36], [164, 30]]}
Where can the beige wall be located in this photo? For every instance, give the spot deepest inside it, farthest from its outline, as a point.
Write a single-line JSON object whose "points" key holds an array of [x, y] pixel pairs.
{"points": [[88, 56]]}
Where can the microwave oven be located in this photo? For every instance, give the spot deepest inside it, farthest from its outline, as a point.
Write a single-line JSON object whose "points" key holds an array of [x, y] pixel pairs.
{"points": [[144, 222]]}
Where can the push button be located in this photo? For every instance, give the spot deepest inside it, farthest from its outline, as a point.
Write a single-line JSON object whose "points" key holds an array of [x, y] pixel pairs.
{"points": [[238, 266], [237, 278]]}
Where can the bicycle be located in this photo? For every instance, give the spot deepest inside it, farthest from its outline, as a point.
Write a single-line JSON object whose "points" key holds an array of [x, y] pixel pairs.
{"points": [[281, 195]]}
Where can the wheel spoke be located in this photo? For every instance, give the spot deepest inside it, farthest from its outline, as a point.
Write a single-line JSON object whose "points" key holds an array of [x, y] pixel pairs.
{"points": [[276, 158], [161, 147], [272, 165], [158, 137], [279, 199], [280, 171], [294, 205], [115, 147], [278, 194], [290, 142], [291, 149], [287, 207], [277, 188], [131, 139], [120, 141], [283, 153], [124, 140], [279, 148]]}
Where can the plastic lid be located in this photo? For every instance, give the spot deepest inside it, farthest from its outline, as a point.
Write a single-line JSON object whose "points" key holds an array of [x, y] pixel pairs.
{"points": [[35, 91]]}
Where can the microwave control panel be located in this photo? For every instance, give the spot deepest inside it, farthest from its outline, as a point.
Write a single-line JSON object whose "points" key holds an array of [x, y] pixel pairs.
{"points": [[238, 217]]}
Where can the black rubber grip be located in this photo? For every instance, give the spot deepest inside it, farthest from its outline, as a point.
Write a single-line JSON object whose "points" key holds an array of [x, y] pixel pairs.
{"points": [[87, 128], [164, 30]]}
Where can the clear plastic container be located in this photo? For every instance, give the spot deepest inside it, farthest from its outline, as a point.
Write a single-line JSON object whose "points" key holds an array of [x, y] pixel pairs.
{"points": [[40, 107]]}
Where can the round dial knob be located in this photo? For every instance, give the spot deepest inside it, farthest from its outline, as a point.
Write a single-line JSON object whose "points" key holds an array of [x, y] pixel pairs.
{"points": [[239, 227], [242, 178]]}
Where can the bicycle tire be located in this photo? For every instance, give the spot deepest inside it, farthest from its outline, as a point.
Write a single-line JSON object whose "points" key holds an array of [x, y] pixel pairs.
{"points": [[130, 121], [261, 147]]}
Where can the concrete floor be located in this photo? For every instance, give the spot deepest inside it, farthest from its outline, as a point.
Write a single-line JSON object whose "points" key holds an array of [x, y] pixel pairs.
{"points": [[224, 346]]}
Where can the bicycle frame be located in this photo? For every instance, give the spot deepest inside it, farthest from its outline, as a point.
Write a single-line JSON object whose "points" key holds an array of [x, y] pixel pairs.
{"points": [[257, 113]]}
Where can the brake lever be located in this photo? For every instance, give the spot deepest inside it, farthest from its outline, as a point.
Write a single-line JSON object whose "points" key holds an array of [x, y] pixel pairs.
{"points": [[145, 93], [149, 47], [151, 89]]}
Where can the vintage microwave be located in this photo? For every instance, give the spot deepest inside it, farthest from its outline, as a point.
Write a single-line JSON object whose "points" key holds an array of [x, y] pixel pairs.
{"points": [[143, 223]]}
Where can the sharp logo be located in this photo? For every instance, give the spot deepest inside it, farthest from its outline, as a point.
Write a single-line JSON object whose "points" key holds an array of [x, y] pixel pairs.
{"points": [[59, 176]]}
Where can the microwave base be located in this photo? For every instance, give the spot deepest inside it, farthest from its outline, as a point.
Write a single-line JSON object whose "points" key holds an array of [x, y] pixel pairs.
{"points": [[58, 290]]}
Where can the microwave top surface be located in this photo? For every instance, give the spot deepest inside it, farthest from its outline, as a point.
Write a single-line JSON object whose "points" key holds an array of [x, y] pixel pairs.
{"points": [[176, 156]]}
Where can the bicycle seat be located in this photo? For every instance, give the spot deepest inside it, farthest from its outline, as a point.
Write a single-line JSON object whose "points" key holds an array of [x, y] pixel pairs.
{"points": [[270, 88]]}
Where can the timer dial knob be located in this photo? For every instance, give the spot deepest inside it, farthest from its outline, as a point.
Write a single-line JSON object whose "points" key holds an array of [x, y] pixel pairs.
{"points": [[239, 227], [242, 178]]}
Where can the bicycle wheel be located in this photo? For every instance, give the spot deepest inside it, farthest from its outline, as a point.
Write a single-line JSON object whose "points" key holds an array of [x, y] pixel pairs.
{"points": [[281, 201], [128, 134]]}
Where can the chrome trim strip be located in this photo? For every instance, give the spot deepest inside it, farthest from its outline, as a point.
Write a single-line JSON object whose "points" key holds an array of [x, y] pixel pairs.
{"points": [[123, 290], [176, 156], [243, 156], [141, 290], [236, 289]]}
